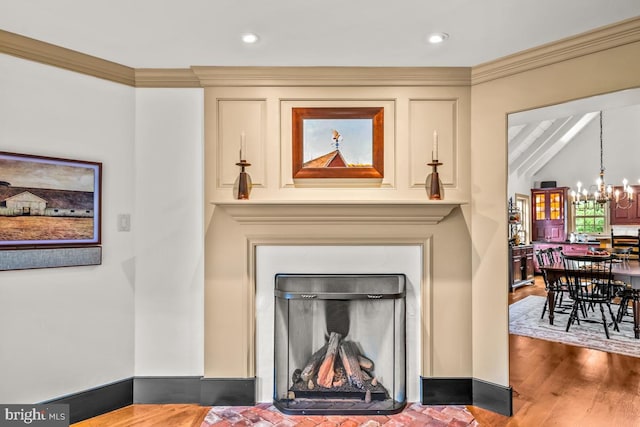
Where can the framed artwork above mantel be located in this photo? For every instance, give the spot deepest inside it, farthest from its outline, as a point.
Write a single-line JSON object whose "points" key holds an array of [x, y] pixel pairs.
{"points": [[338, 142]]}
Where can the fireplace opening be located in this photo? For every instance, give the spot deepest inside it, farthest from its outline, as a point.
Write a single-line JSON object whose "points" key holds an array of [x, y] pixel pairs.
{"points": [[339, 344]]}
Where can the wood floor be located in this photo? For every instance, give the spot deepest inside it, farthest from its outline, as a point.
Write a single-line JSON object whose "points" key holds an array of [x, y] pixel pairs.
{"points": [[553, 385]]}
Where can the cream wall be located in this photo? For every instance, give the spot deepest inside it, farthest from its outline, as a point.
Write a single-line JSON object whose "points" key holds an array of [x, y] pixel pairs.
{"points": [[591, 74], [168, 229], [412, 112], [66, 330]]}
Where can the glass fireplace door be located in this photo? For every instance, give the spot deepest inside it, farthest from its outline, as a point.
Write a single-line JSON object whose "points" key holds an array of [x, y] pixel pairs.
{"points": [[339, 344]]}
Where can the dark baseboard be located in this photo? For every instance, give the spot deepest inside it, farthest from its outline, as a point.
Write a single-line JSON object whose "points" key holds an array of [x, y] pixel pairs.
{"points": [[446, 391], [493, 397], [242, 392], [228, 392], [166, 389], [467, 391], [97, 401]]}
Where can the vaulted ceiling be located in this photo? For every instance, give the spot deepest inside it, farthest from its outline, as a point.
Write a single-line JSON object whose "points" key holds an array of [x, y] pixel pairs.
{"points": [[536, 136]]}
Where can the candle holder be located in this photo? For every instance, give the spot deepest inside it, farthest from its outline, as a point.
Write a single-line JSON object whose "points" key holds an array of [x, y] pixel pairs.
{"points": [[242, 186], [433, 185]]}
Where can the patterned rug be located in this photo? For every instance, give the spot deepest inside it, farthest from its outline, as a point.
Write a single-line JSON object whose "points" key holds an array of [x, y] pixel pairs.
{"points": [[524, 319], [265, 415]]}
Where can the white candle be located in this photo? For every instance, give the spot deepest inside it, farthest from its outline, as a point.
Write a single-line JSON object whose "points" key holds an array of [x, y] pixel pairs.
{"points": [[242, 145], [434, 153]]}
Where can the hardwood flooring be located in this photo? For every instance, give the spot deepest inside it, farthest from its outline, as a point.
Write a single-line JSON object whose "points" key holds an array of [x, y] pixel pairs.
{"points": [[561, 385], [553, 385]]}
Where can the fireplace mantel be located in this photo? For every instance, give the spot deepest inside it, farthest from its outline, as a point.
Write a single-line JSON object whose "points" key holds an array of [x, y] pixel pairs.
{"points": [[332, 212]]}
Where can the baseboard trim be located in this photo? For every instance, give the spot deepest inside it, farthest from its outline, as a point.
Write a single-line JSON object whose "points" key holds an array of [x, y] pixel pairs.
{"points": [[228, 392], [446, 391], [493, 397], [97, 401], [467, 391], [166, 389], [242, 391]]}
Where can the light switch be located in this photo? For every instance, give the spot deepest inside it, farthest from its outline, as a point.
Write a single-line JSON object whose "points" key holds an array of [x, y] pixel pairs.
{"points": [[124, 222]]}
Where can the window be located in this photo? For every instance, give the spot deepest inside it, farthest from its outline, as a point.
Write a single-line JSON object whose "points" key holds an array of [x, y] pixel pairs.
{"points": [[523, 204], [590, 217]]}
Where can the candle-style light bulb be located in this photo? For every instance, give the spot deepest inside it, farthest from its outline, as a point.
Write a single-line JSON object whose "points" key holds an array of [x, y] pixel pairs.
{"points": [[242, 145], [434, 153]]}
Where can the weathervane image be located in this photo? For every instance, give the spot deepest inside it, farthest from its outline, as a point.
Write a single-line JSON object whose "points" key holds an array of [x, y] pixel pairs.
{"points": [[336, 138]]}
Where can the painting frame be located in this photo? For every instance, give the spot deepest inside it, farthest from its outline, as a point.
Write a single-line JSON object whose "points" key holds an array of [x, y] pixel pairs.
{"points": [[49, 202], [305, 168]]}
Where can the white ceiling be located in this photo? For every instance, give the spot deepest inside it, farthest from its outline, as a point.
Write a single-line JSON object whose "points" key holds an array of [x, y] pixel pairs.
{"points": [[181, 33], [536, 136]]}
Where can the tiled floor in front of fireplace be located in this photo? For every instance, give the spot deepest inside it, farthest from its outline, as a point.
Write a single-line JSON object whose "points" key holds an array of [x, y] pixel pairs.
{"points": [[266, 415]]}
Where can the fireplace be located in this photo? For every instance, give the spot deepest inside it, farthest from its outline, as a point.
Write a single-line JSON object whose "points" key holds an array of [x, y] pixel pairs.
{"points": [[339, 343]]}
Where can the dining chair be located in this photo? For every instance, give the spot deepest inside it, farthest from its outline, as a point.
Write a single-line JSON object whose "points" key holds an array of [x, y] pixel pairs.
{"points": [[590, 283], [547, 257]]}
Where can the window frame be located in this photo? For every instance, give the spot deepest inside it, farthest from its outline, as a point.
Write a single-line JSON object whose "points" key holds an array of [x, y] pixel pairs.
{"points": [[606, 216]]}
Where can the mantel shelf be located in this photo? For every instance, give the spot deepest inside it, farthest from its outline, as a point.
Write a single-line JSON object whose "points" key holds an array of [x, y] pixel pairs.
{"points": [[331, 212]]}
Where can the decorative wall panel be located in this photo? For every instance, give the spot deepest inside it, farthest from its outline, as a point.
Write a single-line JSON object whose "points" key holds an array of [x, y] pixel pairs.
{"points": [[234, 118], [425, 117]]}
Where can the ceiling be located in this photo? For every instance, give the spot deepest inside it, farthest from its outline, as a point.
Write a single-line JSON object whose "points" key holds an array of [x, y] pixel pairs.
{"points": [[535, 136], [179, 34]]}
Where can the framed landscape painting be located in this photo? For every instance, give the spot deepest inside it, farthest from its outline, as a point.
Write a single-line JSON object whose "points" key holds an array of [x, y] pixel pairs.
{"points": [[338, 142], [47, 201]]}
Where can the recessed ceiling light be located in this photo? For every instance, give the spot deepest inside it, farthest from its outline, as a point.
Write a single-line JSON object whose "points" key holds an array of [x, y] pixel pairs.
{"points": [[249, 38], [436, 38]]}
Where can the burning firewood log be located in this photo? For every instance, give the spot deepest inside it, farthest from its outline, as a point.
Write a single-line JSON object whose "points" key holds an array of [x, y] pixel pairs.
{"points": [[312, 365], [365, 363], [326, 370], [349, 357], [339, 378]]}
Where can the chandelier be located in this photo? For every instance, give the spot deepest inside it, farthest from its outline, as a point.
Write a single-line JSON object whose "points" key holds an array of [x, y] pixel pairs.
{"points": [[601, 192]]}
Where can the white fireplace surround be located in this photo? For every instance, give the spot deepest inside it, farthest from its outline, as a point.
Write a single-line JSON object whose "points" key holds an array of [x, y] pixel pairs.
{"points": [[339, 259]]}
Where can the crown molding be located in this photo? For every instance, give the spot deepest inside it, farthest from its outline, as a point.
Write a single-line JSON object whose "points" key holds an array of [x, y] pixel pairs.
{"points": [[166, 78], [333, 76], [597, 40], [49, 54]]}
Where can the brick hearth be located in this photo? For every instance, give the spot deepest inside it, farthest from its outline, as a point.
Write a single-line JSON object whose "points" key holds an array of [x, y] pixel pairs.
{"points": [[265, 414]]}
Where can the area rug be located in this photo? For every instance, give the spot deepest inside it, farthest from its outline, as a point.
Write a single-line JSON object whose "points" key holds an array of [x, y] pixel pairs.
{"points": [[265, 415], [524, 319]]}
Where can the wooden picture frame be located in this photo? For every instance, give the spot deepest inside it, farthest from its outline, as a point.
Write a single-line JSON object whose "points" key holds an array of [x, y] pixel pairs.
{"points": [[49, 202], [340, 142]]}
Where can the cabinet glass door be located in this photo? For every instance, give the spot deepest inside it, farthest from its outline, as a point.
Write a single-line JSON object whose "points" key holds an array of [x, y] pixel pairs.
{"points": [[555, 205], [540, 206]]}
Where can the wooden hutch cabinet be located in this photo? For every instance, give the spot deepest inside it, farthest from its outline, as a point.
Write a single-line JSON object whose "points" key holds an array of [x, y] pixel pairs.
{"points": [[521, 266], [548, 216]]}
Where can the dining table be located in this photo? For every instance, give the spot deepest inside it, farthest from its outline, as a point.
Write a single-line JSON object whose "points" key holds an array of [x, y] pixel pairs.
{"points": [[627, 271]]}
